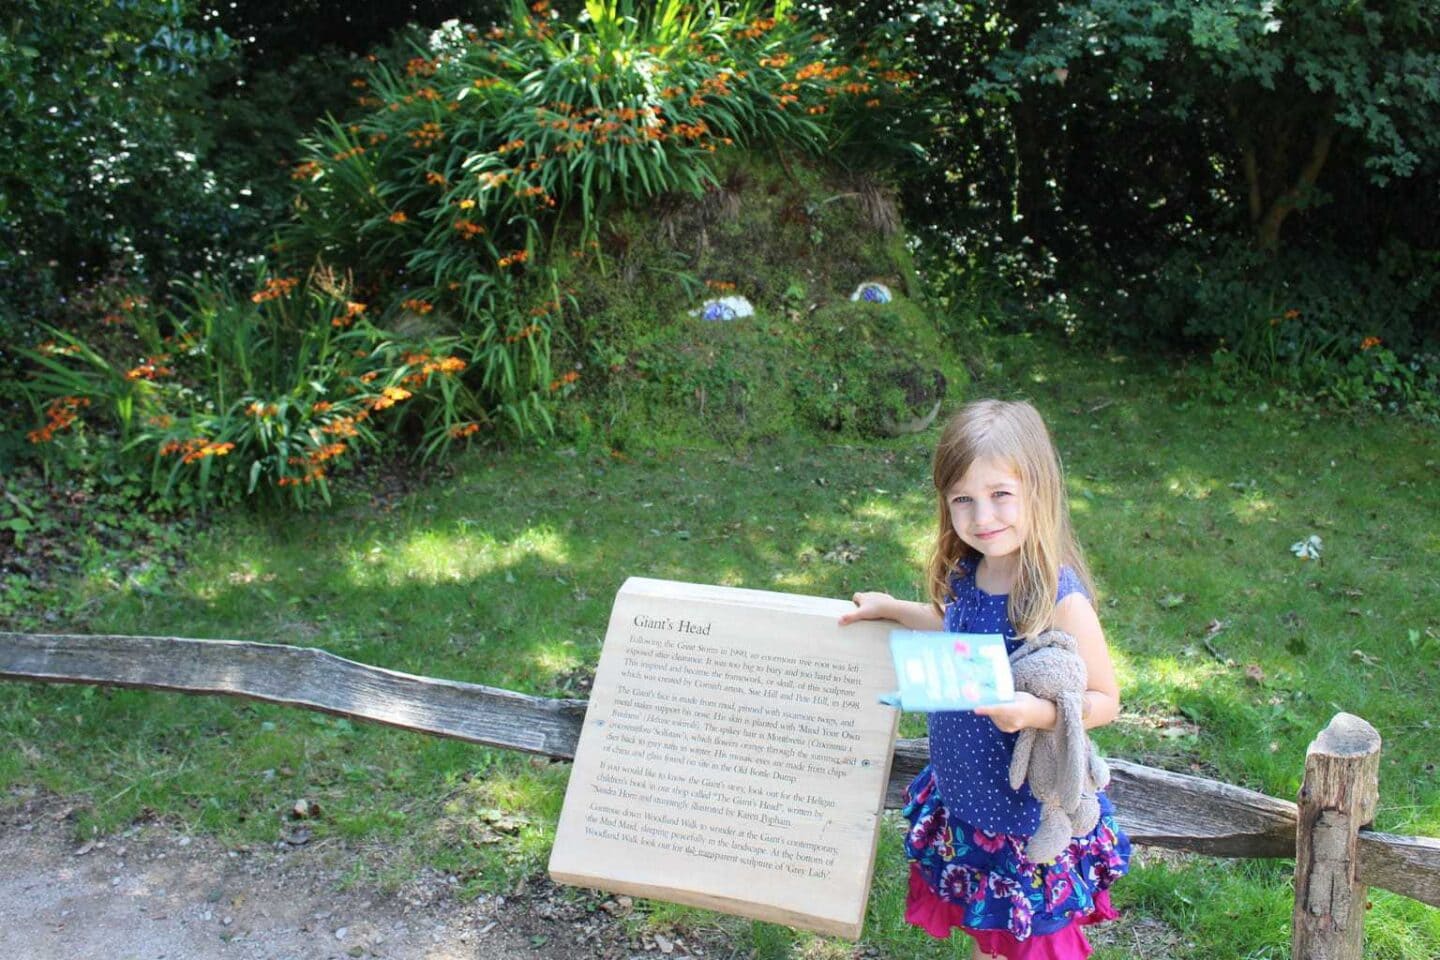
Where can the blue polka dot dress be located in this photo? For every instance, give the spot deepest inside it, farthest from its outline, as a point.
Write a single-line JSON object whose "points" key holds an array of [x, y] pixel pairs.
{"points": [[968, 828]]}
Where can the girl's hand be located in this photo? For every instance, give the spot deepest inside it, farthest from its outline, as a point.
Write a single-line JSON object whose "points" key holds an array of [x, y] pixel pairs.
{"points": [[870, 606], [1024, 712]]}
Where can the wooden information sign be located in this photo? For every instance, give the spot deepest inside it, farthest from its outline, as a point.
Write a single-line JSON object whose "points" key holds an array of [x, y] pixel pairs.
{"points": [[734, 756]]}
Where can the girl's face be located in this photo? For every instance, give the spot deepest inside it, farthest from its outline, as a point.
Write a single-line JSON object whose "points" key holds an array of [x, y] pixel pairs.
{"points": [[987, 508]]}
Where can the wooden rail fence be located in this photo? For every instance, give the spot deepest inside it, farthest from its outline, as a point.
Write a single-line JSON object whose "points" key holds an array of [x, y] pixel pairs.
{"points": [[1337, 855]]}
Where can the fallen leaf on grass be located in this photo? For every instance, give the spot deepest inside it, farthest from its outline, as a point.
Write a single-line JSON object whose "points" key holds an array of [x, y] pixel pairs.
{"points": [[1171, 600], [1365, 658], [1254, 674]]}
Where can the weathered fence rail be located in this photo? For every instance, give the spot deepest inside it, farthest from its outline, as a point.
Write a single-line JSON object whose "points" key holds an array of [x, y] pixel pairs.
{"points": [[1338, 857]]}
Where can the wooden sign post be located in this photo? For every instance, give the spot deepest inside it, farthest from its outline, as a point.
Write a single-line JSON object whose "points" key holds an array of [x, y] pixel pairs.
{"points": [[733, 756]]}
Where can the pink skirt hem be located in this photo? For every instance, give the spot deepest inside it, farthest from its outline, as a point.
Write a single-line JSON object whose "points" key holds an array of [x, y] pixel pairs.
{"points": [[925, 909]]}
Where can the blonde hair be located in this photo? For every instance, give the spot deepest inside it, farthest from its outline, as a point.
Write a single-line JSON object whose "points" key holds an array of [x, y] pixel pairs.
{"points": [[1014, 434]]}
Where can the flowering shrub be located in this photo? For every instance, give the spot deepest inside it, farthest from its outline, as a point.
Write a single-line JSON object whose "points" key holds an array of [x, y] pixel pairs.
{"points": [[438, 199], [245, 395], [464, 158]]}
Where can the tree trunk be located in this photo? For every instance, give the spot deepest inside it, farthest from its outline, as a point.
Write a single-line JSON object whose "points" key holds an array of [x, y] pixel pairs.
{"points": [[1267, 224]]}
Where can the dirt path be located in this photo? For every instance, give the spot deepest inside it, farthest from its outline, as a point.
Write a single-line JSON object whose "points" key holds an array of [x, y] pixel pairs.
{"points": [[154, 893]]}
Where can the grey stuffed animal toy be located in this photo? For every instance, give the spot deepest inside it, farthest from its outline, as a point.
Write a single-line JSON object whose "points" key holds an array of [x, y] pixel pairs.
{"points": [[1063, 767]]}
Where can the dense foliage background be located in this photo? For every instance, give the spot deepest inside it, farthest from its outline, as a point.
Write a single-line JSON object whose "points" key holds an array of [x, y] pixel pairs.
{"points": [[206, 201], [1189, 172]]}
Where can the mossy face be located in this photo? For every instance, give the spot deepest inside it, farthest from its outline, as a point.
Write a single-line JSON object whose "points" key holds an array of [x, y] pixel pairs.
{"points": [[874, 369], [793, 242]]}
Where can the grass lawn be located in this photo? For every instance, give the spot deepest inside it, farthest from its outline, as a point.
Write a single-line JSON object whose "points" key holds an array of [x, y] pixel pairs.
{"points": [[1232, 652]]}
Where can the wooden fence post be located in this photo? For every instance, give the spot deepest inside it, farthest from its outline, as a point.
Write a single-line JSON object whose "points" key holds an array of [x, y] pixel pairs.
{"points": [[1337, 798]]}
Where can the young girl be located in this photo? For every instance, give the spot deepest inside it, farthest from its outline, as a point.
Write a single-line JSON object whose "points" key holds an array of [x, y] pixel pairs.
{"points": [[1005, 561]]}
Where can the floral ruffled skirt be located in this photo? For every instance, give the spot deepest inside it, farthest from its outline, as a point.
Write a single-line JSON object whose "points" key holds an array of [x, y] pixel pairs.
{"points": [[962, 876]]}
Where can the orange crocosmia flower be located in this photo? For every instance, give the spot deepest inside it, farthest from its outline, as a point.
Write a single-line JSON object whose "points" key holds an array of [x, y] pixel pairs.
{"points": [[467, 229], [1370, 343], [321, 406], [369, 377], [343, 427], [426, 135], [61, 413], [352, 311], [389, 397], [463, 430], [196, 448], [398, 217], [569, 378], [150, 369], [274, 288], [328, 452]]}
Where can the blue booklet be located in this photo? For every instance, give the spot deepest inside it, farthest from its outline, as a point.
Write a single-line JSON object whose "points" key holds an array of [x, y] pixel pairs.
{"points": [[949, 671]]}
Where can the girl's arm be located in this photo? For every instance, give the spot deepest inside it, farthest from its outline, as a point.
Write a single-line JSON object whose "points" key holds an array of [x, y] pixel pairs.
{"points": [[1076, 617], [882, 606]]}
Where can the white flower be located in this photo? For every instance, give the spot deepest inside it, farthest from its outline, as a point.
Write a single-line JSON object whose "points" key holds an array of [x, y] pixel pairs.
{"points": [[1307, 549]]}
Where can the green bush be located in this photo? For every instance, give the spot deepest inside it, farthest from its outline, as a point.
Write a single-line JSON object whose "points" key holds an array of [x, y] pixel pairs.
{"points": [[102, 124], [1310, 323], [265, 394]]}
